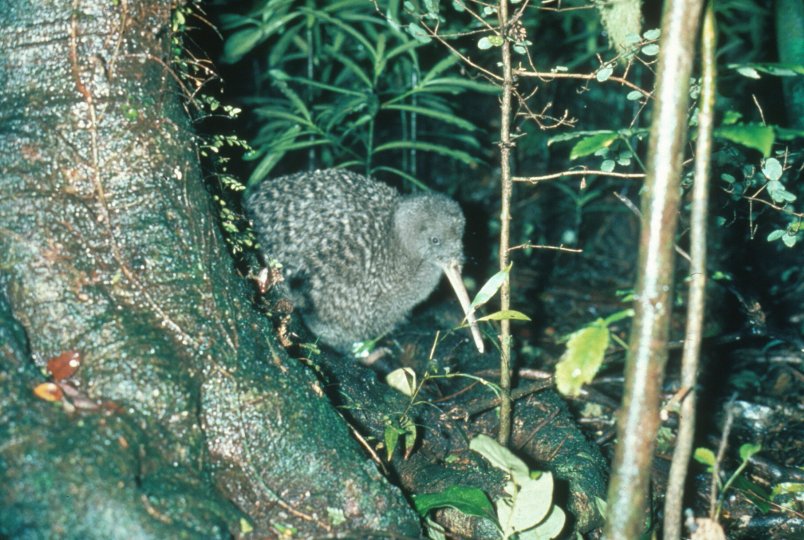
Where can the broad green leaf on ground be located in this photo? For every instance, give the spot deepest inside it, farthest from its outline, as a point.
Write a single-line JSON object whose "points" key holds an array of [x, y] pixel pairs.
{"points": [[500, 457], [581, 361], [469, 500]]}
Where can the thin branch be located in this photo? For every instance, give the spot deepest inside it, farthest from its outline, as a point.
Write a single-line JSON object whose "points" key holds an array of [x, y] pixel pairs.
{"points": [[434, 34], [582, 172], [540, 246], [546, 75], [775, 207]]}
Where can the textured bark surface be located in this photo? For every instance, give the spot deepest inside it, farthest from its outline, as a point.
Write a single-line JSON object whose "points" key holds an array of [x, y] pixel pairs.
{"points": [[108, 249], [638, 419]]}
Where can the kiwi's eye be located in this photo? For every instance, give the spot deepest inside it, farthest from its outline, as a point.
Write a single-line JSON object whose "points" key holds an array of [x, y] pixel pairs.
{"points": [[435, 240]]}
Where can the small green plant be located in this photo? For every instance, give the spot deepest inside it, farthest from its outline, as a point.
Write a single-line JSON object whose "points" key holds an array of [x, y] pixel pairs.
{"points": [[586, 349], [708, 458], [525, 512], [193, 73]]}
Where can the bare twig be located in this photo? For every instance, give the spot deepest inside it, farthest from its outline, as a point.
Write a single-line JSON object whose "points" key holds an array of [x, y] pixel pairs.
{"points": [[582, 172], [435, 35], [541, 246], [547, 75]]}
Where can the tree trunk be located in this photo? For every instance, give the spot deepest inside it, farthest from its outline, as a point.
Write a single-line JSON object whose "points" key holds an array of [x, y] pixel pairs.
{"points": [[184, 418]]}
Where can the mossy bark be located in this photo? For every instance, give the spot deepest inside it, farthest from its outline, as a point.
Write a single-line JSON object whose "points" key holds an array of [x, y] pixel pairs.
{"points": [[192, 423]]}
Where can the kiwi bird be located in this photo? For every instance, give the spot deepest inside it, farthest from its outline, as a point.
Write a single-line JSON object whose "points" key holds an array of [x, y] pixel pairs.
{"points": [[356, 255]]}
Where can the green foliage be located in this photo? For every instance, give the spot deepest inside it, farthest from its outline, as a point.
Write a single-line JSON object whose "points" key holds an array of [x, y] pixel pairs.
{"points": [[347, 88], [526, 511], [193, 72], [707, 457], [405, 430], [487, 292], [586, 349], [581, 361], [469, 500], [754, 136], [767, 183]]}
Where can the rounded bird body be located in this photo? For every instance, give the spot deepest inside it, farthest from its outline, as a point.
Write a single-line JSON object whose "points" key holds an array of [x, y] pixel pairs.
{"points": [[356, 255]]}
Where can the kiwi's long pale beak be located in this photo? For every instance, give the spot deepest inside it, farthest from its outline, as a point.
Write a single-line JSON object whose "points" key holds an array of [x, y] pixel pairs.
{"points": [[453, 272]]}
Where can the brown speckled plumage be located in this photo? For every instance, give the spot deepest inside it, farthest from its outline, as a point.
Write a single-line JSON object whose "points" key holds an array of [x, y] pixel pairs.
{"points": [[357, 256]]}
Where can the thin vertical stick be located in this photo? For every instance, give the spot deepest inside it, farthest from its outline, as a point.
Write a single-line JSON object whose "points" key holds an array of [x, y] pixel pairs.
{"points": [[697, 288], [505, 226]]}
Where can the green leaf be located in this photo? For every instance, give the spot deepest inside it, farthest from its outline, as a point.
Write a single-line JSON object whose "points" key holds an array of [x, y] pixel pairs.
{"points": [[789, 240], [337, 89], [410, 436], [590, 145], [775, 235], [496, 40], [604, 73], [402, 174], [786, 134], [469, 500], [529, 504], [652, 34], [729, 179], [507, 315], [752, 70], [550, 528], [581, 361], [749, 449], [449, 118], [403, 380], [748, 71], [634, 95], [787, 488], [572, 135], [651, 49], [243, 41], [607, 165], [391, 438], [484, 43], [240, 43], [772, 169], [490, 288], [457, 155], [779, 193], [440, 67], [454, 83], [749, 135], [419, 33], [500, 457], [705, 456], [619, 316]]}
